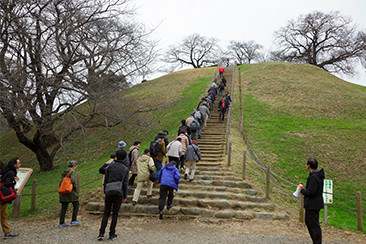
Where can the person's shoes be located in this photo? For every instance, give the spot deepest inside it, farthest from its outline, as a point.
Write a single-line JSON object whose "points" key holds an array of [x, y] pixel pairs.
{"points": [[112, 237], [190, 179], [169, 207], [185, 176], [161, 215], [11, 235], [73, 223], [62, 225], [149, 196], [134, 203], [100, 237]]}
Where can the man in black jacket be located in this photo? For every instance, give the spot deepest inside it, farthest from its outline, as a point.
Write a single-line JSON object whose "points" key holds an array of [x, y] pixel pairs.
{"points": [[313, 199], [116, 171]]}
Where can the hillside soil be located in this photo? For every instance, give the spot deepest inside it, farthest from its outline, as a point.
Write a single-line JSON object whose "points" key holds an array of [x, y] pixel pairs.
{"points": [[174, 230]]}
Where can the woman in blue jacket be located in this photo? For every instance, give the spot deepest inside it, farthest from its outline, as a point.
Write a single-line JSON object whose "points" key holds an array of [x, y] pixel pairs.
{"points": [[169, 179]]}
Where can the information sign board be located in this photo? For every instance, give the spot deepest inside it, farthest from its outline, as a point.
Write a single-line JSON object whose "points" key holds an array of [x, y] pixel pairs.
{"points": [[328, 188]]}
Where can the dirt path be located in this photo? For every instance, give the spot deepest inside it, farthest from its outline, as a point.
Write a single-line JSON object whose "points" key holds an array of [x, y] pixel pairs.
{"points": [[152, 230]]}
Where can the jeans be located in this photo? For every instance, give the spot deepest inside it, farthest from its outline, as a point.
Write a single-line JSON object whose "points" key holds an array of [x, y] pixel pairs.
{"points": [[180, 163], [75, 211], [173, 159], [312, 223], [132, 179], [164, 192], [158, 166], [109, 203], [222, 115]]}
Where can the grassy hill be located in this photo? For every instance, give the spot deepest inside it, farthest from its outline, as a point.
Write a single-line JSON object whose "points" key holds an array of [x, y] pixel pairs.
{"points": [[296, 111]]}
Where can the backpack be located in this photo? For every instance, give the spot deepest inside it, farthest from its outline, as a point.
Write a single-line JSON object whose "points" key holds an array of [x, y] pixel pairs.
{"points": [[130, 157], [222, 86], [223, 104], [194, 126], [66, 185], [197, 115], [154, 148]]}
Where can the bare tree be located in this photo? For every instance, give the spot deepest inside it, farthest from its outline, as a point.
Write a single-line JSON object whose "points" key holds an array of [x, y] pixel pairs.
{"points": [[327, 40], [56, 55], [245, 52], [195, 50]]}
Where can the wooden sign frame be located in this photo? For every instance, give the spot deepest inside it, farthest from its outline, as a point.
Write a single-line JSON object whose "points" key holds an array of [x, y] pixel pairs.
{"points": [[23, 175]]}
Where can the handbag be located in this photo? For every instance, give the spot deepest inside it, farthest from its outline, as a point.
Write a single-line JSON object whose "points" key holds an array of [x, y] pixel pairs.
{"points": [[113, 188], [66, 185], [7, 194], [153, 177]]}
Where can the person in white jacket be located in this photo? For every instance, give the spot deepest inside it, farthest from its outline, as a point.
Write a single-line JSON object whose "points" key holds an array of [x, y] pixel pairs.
{"points": [[174, 150]]}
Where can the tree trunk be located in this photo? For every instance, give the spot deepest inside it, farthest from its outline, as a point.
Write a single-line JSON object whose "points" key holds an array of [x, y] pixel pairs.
{"points": [[44, 159]]}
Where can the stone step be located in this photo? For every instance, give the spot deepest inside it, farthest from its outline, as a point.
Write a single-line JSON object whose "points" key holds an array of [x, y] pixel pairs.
{"points": [[211, 147], [177, 211], [206, 156], [212, 204], [251, 192], [190, 193], [213, 160], [212, 152], [208, 164], [222, 183], [210, 142], [217, 177]]}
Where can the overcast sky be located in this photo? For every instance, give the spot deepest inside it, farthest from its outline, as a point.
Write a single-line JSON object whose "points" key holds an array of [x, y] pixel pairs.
{"points": [[238, 19]]}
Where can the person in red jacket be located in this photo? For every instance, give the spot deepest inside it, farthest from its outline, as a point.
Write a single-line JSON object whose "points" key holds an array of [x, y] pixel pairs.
{"points": [[221, 71]]}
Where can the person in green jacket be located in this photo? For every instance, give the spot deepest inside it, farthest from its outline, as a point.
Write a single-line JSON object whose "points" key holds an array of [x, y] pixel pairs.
{"points": [[72, 197]]}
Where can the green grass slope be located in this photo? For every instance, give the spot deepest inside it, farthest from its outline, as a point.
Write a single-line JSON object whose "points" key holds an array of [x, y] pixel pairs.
{"points": [[296, 111], [161, 103]]}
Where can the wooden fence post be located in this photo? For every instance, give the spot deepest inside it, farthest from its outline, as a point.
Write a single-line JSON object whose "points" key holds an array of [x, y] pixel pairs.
{"points": [[229, 156], [78, 181], [16, 206], [268, 180], [34, 188], [301, 205], [244, 163], [359, 211], [240, 105]]}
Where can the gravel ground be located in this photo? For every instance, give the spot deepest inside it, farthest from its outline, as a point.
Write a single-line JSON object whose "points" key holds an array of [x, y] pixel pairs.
{"points": [[172, 230]]}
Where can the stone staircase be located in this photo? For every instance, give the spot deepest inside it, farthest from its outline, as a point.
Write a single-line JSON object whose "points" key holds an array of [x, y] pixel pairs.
{"points": [[216, 192]]}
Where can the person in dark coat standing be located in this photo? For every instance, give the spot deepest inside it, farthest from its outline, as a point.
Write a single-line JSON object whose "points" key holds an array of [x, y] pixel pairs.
{"points": [[9, 178], [72, 197], [222, 109], [116, 171], [313, 199], [169, 179]]}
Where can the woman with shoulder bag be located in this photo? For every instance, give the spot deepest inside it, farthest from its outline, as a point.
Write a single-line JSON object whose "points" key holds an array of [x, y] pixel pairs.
{"points": [[72, 197], [8, 179]]}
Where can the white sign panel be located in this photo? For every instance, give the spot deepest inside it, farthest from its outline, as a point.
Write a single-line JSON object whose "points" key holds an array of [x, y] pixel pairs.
{"points": [[328, 188]]}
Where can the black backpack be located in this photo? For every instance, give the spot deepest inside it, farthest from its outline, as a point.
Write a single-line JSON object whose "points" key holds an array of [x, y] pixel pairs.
{"points": [[154, 148], [193, 126], [130, 157], [221, 86]]}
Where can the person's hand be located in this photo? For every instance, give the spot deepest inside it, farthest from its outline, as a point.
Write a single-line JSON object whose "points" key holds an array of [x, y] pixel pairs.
{"points": [[300, 186], [124, 200], [16, 178]]}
